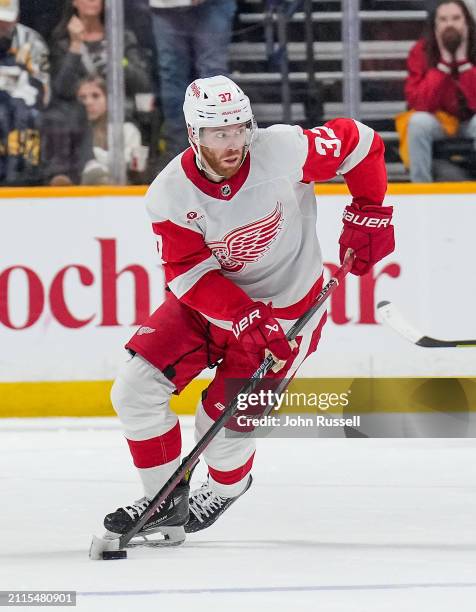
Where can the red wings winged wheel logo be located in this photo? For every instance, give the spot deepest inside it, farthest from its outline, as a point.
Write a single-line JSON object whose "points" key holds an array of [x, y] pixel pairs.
{"points": [[249, 243]]}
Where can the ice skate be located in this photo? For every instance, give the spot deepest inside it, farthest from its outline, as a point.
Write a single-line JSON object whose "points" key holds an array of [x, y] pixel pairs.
{"points": [[168, 520], [206, 506]]}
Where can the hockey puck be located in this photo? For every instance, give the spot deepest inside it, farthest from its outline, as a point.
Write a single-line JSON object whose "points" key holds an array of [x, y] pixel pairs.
{"points": [[114, 554]]}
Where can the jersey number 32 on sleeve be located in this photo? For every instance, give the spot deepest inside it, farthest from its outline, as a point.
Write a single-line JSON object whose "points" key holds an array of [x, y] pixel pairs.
{"points": [[326, 140]]}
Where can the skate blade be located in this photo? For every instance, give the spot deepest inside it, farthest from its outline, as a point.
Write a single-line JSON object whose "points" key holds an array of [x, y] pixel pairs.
{"points": [[165, 536]]}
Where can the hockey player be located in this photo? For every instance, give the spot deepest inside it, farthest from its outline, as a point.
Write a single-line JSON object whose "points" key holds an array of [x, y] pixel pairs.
{"points": [[235, 221]]}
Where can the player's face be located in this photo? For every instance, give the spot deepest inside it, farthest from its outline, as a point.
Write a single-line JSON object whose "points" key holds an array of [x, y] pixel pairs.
{"points": [[223, 148], [94, 100], [450, 15]]}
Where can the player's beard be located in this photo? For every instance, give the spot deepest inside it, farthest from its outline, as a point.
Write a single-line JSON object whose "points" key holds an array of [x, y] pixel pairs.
{"points": [[224, 163]]}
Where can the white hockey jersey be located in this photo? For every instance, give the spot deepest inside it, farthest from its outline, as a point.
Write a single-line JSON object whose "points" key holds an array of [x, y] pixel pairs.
{"points": [[253, 237]]}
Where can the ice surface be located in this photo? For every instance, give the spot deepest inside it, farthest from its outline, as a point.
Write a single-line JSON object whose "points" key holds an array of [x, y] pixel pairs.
{"points": [[329, 524]]}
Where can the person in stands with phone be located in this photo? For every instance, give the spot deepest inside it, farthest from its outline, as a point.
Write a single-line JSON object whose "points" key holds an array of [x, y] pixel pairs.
{"points": [[79, 50]]}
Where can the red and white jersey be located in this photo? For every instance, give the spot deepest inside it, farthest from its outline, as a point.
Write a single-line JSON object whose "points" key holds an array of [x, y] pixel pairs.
{"points": [[253, 237]]}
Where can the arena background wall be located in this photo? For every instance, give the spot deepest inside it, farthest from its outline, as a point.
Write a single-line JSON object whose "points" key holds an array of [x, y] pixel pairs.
{"points": [[79, 272]]}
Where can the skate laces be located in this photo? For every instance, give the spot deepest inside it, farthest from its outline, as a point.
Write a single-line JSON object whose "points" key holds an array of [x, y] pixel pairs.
{"points": [[203, 502], [137, 508]]}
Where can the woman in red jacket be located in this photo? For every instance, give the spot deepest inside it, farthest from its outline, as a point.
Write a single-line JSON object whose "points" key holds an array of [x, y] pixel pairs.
{"points": [[441, 86]]}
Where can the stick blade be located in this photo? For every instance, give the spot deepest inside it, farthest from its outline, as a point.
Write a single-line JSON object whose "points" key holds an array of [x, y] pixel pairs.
{"points": [[101, 545], [389, 315]]}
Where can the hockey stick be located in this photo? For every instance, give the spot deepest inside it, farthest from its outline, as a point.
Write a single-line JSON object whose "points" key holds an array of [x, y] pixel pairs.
{"points": [[101, 547], [389, 315]]}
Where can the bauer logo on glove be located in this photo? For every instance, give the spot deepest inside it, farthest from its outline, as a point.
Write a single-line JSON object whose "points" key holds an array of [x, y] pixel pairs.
{"points": [[245, 322], [364, 221], [369, 233], [258, 331]]}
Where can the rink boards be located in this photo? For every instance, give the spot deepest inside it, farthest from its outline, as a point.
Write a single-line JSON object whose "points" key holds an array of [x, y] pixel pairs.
{"points": [[79, 272]]}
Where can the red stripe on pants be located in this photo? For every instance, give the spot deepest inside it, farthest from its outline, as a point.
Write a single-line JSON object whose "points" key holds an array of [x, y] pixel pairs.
{"points": [[156, 451], [233, 476]]}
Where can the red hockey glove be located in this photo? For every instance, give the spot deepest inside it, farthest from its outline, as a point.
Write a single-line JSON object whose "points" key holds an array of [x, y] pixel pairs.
{"points": [[369, 233], [256, 330]]}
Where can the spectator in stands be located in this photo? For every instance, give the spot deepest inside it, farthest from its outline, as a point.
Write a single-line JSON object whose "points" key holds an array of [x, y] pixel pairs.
{"points": [[192, 39], [440, 90], [79, 49], [92, 93], [67, 145], [24, 93]]}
